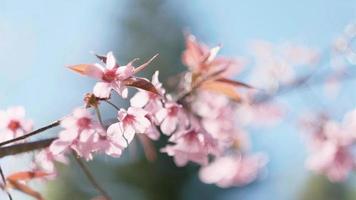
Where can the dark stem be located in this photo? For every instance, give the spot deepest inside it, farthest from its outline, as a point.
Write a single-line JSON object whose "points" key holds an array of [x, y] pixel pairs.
{"points": [[49, 126], [25, 147], [99, 116], [4, 181], [90, 177]]}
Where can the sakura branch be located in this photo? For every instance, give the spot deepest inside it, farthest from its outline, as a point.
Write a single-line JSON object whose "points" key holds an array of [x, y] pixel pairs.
{"points": [[206, 118]]}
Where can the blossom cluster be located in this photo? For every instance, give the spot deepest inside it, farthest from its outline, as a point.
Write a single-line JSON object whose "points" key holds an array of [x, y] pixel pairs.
{"points": [[204, 121], [331, 145], [199, 118]]}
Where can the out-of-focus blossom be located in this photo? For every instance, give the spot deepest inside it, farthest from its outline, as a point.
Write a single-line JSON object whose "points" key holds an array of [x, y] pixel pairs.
{"points": [[276, 65], [259, 114], [199, 58], [344, 47], [13, 123], [45, 160], [331, 147], [233, 170], [191, 145]]}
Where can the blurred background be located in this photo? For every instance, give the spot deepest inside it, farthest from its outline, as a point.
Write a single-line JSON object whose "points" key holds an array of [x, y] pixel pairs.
{"points": [[39, 38]]}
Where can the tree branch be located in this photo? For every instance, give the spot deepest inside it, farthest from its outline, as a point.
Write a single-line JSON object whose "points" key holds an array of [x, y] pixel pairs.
{"points": [[25, 147], [90, 177], [49, 126]]}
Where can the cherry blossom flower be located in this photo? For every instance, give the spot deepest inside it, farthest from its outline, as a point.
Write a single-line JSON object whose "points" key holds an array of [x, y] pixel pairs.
{"points": [[113, 142], [233, 170], [111, 77], [79, 134], [191, 145], [276, 64], [132, 121], [13, 123], [200, 59], [44, 161], [330, 144], [150, 101], [171, 118]]}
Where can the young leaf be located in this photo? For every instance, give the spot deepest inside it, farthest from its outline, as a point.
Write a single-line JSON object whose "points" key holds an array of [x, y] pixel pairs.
{"points": [[25, 189], [141, 83], [222, 88], [144, 65], [26, 175], [82, 69], [233, 83]]}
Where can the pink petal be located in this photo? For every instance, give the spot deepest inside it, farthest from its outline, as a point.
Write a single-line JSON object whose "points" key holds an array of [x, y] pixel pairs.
{"points": [[102, 89], [110, 61]]}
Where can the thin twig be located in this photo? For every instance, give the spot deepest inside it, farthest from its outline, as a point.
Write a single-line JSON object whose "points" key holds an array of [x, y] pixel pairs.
{"points": [[301, 83], [90, 177], [49, 126], [4, 181], [99, 116]]}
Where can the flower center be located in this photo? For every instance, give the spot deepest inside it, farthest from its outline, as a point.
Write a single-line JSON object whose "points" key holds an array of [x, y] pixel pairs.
{"points": [[129, 119], [84, 123], [14, 125], [110, 75], [172, 111]]}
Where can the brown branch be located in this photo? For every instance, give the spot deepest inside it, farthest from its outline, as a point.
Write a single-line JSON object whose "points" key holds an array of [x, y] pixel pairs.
{"points": [[4, 182], [90, 177], [49, 126], [25, 147]]}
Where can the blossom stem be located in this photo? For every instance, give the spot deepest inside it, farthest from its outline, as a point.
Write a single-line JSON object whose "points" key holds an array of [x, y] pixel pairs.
{"points": [[99, 116], [4, 182], [112, 104], [49, 126], [90, 177]]}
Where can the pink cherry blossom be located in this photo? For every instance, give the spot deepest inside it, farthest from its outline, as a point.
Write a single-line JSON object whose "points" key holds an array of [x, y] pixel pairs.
{"points": [[199, 58], [233, 170], [111, 77], [171, 117], [191, 145], [150, 101], [113, 142], [132, 121], [331, 147], [13, 123], [79, 134], [45, 160]]}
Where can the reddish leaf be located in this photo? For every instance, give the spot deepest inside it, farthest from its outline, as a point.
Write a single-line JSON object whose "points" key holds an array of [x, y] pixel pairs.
{"points": [[144, 65], [25, 189], [233, 83], [81, 68], [222, 88], [26, 175], [141, 83]]}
